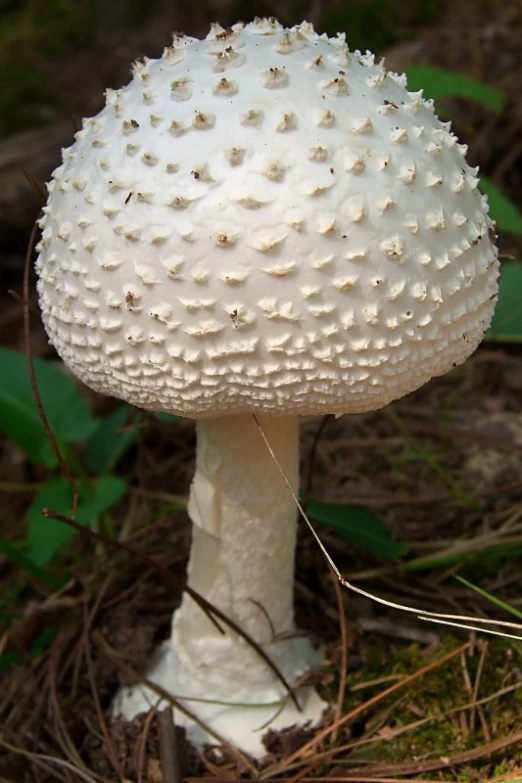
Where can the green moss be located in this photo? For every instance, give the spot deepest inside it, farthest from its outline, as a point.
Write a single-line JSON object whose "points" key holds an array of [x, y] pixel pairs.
{"points": [[434, 694]]}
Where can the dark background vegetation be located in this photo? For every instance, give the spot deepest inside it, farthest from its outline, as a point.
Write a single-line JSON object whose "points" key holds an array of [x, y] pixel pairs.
{"points": [[436, 477]]}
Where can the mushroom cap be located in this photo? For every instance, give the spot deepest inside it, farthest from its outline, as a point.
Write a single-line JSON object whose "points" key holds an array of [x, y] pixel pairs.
{"points": [[263, 221]]}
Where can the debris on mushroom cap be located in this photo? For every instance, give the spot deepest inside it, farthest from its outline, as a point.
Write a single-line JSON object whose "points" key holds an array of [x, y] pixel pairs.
{"points": [[264, 221]]}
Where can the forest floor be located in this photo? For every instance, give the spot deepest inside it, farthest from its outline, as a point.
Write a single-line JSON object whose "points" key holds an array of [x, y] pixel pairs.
{"points": [[442, 468]]}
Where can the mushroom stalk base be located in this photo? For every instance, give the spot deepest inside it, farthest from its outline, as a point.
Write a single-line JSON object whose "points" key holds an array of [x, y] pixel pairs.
{"points": [[242, 561]]}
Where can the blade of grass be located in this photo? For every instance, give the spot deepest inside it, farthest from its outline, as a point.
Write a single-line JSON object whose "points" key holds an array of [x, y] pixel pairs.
{"points": [[465, 552], [491, 598]]}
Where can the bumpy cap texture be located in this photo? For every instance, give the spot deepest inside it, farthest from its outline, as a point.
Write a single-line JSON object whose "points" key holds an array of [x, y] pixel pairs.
{"points": [[264, 221]]}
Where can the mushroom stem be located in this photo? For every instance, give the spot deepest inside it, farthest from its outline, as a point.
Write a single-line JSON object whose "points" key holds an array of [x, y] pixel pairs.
{"points": [[242, 561], [244, 533]]}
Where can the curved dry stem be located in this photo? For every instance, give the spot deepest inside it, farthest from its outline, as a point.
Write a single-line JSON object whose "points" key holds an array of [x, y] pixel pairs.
{"points": [[211, 611], [32, 376], [455, 620]]}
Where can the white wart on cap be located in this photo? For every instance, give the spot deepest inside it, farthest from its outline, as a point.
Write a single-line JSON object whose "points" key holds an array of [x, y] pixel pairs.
{"points": [[264, 221]]}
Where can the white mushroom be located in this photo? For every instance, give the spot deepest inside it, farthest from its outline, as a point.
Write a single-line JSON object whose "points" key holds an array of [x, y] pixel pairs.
{"points": [[260, 222]]}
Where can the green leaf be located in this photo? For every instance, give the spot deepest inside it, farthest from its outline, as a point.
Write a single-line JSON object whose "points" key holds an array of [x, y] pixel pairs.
{"points": [[507, 322], [492, 553], [47, 536], [358, 526], [166, 418], [68, 413], [107, 446], [443, 83], [14, 552], [502, 210]]}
